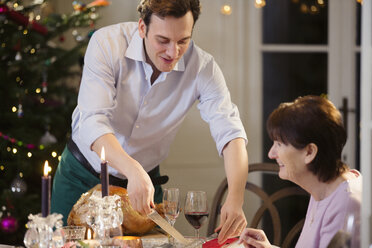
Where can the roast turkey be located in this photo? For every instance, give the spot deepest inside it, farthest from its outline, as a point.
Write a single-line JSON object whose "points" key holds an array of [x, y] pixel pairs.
{"points": [[134, 223]]}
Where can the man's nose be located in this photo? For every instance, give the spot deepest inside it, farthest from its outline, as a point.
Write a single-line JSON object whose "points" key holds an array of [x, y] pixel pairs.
{"points": [[172, 50]]}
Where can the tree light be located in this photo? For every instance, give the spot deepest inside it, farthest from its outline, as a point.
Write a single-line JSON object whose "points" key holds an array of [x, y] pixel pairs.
{"points": [[259, 3], [226, 9]]}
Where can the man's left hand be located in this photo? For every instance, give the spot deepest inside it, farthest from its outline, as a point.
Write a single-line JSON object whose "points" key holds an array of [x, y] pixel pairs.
{"points": [[232, 221]]}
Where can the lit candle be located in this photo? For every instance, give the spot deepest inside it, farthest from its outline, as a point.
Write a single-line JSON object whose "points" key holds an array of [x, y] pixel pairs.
{"points": [[90, 242], [104, 174], [89, 233], [45, 191], [128, 241]]}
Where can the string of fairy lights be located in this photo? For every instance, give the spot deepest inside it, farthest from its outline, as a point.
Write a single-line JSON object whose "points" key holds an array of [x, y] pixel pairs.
{"points": [[306, 7]]}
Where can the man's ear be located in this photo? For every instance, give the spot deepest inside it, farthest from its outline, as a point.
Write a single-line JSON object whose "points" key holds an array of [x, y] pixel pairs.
{"points": [[311, 152], [141, 28]]}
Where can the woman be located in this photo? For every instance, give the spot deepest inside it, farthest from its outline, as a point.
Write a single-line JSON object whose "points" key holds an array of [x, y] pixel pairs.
{"points": [[308, 137]]}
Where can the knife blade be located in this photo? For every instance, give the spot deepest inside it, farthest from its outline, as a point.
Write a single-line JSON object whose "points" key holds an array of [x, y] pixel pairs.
{"points": [[162, 223]]}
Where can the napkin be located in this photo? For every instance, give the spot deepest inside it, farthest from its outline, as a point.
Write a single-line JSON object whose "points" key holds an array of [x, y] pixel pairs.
{"points": [[228, 243]]}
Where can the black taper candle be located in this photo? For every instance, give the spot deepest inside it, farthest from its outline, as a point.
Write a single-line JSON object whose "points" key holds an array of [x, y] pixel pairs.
{"points": [[104, 174], [45, 191], [104, 178]]}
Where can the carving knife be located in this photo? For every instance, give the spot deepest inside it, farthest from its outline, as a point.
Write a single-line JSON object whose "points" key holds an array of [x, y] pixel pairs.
{"points": [[163, 224]]}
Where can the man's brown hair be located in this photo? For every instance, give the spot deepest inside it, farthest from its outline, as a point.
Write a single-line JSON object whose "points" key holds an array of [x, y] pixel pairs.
{"points": [[163, 8]]}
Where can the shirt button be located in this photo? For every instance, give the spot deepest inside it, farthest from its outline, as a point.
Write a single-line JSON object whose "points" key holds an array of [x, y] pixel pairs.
{"points": [[145, 102], [137, 126]]}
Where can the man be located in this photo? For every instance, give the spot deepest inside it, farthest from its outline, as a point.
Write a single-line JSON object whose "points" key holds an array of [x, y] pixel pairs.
{"points": [[138, 83]]}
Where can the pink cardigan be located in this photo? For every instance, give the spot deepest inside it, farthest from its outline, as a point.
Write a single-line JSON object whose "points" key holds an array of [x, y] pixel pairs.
{"points": [[326, 217]]}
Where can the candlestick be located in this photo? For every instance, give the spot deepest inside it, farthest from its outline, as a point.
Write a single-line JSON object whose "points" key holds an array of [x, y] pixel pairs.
{"points": [[45, 191], [104, 174]]}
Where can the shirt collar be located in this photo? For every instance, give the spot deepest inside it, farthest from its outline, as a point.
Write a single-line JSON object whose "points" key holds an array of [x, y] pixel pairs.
{"points": [[136, 51]]}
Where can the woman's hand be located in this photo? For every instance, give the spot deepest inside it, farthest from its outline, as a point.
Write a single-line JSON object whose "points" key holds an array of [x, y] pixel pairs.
{"points": [[256, 238]]}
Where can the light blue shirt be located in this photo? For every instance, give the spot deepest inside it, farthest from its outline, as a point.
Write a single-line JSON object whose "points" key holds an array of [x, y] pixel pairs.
{"points": [[116, 96]]}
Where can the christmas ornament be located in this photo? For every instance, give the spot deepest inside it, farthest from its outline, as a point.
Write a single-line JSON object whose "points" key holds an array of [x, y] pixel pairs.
{"points": [[18, 186], [48, 138], [98, 3], [44, 84], [9, 224], [18, 56], [78, 6], [20, 111]]}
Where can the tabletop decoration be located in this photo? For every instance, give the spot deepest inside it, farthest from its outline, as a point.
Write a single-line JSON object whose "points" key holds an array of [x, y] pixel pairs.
{"points": [[44, 232], [103, 214]]}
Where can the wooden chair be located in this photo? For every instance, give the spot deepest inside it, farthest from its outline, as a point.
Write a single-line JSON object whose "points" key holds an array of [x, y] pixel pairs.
{"points": [[340, 240], [268, 203]]}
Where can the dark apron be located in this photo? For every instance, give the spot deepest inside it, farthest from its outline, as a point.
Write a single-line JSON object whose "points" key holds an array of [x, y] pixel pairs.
{"points": [[72, 179]]}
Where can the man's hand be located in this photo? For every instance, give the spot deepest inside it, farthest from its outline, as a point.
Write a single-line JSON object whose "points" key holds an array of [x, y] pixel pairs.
{"points": [[251, 237], [140, 191], [140, 188], [232, 221]]}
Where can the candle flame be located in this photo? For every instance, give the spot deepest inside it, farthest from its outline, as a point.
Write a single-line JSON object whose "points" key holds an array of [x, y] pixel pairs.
{"points": [[89, 233], [103, 154], [46, 168]]}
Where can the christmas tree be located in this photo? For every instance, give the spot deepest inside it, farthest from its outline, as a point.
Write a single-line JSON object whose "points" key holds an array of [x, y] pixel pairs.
{"points": [[37, 99]]}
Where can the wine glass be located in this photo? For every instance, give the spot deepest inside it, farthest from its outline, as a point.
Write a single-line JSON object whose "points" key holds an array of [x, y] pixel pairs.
{"points": [[196, 209], [171, 206]]}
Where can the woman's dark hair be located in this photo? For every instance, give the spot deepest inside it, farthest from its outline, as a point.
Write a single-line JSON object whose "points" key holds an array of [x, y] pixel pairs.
{"points": [[163, 8], [312, 119]]}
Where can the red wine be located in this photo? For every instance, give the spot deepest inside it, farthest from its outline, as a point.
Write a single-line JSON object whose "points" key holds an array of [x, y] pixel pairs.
{"points": [[196, 219]]}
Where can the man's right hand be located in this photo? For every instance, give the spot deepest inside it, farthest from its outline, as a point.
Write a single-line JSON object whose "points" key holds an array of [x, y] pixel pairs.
{"points": [[140, 190]]}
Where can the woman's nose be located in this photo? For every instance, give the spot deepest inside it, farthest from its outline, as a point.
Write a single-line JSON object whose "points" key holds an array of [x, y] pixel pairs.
{"points": [[272, 152]]}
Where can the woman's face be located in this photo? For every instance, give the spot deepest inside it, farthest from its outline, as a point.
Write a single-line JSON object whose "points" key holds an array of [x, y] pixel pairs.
{"points": [[291, 161]]}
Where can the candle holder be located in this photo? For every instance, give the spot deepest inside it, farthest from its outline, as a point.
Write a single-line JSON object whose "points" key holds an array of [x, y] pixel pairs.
{"points": [[104, 214], [44, 232]]}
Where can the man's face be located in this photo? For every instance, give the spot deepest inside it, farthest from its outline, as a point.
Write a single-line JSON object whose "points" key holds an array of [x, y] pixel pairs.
{"points": [[166, 40]]}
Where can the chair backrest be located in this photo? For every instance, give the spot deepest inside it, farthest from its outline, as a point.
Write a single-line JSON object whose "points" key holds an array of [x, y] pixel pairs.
{"points": [[340, 240], [268, 204]]}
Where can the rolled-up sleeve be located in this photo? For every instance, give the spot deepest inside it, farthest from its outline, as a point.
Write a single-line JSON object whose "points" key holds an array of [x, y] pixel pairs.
{"points": [[97, 92], [216, 107]]}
